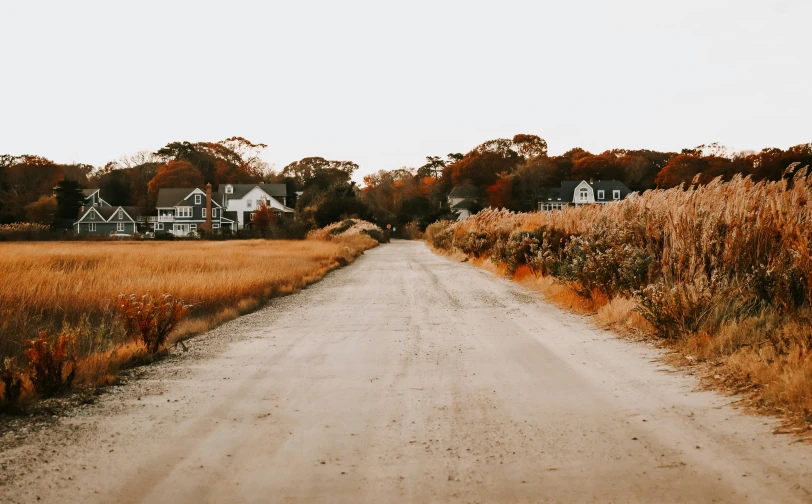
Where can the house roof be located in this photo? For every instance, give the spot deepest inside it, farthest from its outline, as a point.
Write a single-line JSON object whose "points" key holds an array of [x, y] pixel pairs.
{"points": [[171, 196], [107, 212], [566, 193], [89, 192], [465, 204], [174, 196], [240, 190], [464, 192], [133, 211]]}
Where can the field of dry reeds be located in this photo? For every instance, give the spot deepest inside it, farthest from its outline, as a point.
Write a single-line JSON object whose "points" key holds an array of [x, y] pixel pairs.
{"points": [[73, 287], [722, 273]]}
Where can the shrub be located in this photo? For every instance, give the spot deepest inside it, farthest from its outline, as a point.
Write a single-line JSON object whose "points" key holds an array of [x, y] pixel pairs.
{"points": [[412, 230], [515, 250], [344, 226], [26, 231], [149, 320], [52, 362], [12, 379], [440, 235], [377, 235]]}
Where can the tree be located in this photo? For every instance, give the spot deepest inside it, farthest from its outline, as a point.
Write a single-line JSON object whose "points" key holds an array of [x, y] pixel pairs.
{"points": [[42, 211], [233, 160], [23, 179], [318, 170], [500, 194], [680, 169], [590, 166], [532, 180], [264, 218], [69, 199], [116, 185], [433, 167], [176, 174], [530, 145], [319, 207]]}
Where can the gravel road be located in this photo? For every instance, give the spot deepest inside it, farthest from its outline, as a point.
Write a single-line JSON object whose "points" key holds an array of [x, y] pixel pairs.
{"points": [[407, 377]]}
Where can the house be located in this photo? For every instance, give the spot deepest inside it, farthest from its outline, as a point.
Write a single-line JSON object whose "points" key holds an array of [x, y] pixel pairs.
{"points": [[574, 192], [104, 219], [93, 198], [185, 211], [463, 199], [240, 201]]}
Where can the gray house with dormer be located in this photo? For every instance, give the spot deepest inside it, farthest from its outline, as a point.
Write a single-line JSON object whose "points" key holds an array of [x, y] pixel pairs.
{"points": [[107, 220], [185, 211], [583, 192]]}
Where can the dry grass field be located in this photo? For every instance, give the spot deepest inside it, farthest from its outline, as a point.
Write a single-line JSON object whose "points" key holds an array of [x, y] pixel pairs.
{"points": [[722, 273], [53, 285]]}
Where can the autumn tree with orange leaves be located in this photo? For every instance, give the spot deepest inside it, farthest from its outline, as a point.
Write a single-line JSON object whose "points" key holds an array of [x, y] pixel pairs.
{"points": [[176, 174]]}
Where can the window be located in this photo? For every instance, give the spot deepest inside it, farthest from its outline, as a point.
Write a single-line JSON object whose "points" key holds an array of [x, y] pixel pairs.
{"points": [[251, 216], [183, 211], [159, 226], [213, 213], [248, 203], [120, 214], [92, 226], [601, 194], [193, 227], [584, 192], [92, 215], [616, 194], [215, 226], [204, 213], [198, 199], [120, 226], [229, 189]]}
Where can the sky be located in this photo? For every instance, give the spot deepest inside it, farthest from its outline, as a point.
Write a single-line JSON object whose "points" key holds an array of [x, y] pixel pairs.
{"points": [[386, 84]]}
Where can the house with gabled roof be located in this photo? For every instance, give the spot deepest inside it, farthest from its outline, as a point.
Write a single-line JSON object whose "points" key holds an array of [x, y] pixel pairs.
{"points": [[106, 219], [574, 192], [185, 211], [242, 200], [463, 199]]}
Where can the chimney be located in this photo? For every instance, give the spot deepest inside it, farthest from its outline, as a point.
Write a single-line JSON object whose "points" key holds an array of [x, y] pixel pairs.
{"points": [[591, 180], [206, 226]]}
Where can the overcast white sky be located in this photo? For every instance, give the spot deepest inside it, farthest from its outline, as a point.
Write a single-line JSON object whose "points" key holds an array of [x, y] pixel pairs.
{"points": [[387, 83]]}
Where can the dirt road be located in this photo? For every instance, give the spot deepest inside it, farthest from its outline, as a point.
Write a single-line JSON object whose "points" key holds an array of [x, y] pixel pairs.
{"points": [[408, 377]]}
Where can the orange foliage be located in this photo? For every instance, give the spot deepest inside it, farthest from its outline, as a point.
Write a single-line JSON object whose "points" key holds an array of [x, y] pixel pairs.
{"points": [[150, 320], [427, 186], [264, 217], [176, 174], [500, 193], [50, 359]]}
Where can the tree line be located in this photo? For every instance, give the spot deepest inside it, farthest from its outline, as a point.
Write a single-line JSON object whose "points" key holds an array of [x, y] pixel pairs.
{"points": [[509, 173]]}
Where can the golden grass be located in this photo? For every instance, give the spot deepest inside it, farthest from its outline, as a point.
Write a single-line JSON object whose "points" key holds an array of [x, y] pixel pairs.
{"points": [[726, 275], [49, 284]]}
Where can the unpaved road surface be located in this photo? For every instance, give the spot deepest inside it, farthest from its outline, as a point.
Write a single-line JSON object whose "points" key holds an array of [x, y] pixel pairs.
{"points": [[408, 377]]}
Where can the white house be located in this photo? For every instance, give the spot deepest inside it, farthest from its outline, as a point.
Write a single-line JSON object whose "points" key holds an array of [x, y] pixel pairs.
{"points": [[462, 199], [574, 192], [240, 201]]}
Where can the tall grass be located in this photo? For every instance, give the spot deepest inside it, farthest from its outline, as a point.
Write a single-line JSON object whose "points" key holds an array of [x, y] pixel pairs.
{"points": [[46, 286], [722, 272]]}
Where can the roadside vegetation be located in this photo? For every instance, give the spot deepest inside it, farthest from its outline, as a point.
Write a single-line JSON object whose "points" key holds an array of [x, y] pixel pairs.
{"points": [[73, 313], [721, 273]]}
